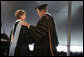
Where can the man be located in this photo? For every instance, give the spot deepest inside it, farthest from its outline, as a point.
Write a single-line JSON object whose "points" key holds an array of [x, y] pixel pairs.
{"points": [[42, 32], [19, 39]]}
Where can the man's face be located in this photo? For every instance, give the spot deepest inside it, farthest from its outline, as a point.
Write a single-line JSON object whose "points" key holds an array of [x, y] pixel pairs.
{"points": [[40, 12]]}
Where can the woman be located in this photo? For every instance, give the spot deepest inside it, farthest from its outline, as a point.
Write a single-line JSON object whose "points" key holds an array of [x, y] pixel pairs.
{"points": [[19, 36]]}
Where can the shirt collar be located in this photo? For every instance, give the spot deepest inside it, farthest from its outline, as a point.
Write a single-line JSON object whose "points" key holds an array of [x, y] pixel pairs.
{"points": [[48, 13]]}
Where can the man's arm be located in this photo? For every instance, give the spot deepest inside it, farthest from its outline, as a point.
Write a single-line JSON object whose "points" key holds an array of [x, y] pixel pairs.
{"points": [[41, 30], [38, 31]]}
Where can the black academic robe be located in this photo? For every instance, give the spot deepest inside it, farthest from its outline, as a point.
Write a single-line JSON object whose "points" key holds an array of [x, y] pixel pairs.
{"points": [[22, 48], [40, 36]]}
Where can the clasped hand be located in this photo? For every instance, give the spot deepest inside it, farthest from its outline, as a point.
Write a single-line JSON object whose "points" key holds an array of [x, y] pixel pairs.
{"points": [[24, 23]]}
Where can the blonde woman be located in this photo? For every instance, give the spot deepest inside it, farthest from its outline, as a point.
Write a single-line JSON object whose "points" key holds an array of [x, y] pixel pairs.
{"points": [[19, 35]]}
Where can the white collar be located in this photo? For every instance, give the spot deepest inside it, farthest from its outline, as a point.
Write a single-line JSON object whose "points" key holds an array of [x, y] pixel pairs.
{"points": [[18, 20], [48, 13]]}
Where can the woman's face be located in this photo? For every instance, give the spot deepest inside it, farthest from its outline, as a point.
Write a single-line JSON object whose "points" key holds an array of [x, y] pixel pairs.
{"points": [[23, 17]]}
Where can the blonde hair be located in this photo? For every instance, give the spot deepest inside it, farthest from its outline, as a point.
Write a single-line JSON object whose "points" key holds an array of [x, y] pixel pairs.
{"points": [[19, 13]]}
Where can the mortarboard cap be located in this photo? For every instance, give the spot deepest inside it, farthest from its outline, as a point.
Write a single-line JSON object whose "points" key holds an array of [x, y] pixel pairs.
{"points": [[40, 7]]}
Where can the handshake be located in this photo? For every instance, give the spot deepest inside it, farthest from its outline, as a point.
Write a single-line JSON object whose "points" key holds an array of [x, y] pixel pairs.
{"points": [[24, 23]]}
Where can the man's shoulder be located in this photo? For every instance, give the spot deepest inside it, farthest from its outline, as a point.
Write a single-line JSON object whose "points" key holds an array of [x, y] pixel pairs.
{"points": [[47, 16], [44, 18]]}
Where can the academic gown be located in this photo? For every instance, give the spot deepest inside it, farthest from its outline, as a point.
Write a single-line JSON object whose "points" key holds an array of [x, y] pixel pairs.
{"points": [[40, 36], [22, 48]]}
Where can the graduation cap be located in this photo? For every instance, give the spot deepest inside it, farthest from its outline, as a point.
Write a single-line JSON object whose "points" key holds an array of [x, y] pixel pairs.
{"points": [[40, 7]]}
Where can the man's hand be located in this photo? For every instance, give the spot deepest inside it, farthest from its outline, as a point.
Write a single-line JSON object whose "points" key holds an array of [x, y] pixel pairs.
{"points": [[24, 23]]}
